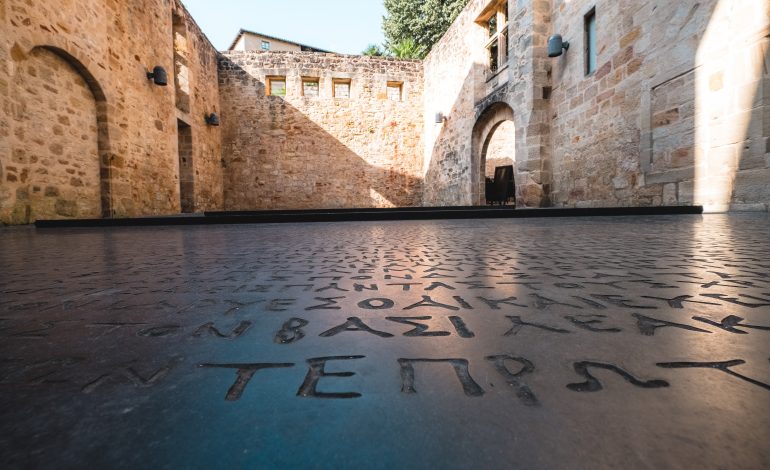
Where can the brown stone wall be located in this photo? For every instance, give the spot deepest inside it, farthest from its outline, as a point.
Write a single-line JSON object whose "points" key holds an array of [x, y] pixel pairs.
{"points": [[56, 171], [298, 152], [83, 132]]}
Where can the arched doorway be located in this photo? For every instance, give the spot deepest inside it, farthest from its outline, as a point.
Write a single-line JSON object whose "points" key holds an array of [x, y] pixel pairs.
{"points": [[493, 145], [59, 139]]}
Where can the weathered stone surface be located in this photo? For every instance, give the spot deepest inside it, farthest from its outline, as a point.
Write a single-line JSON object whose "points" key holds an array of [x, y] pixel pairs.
{"points": [[551, 343], [662, 100], [681, 95], [298, 151], [80, 116]]}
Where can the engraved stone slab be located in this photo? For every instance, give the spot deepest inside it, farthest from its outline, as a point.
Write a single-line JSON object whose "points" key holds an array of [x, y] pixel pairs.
{"points": [[540, 343]]}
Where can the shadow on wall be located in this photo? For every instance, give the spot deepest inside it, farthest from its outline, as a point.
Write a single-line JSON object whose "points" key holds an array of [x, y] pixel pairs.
{"points": [[449, 177], [277, 158], [456, 170]]}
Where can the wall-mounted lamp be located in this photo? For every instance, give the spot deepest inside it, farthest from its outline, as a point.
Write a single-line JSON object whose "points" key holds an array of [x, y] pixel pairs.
{"points": [[440, 118], [158, 75], [212, 119], [556, 45]]}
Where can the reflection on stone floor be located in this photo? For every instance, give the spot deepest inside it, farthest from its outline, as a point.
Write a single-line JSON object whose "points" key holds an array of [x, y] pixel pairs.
{"points": [[641, 342]]}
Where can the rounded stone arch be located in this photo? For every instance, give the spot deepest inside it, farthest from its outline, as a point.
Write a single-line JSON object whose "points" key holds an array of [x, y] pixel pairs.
{"points": [[102, 123], [496, 117], [67, 138]]}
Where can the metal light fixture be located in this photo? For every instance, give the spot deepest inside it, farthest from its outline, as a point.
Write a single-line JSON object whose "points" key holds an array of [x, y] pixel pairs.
{"points": [[556, 44], [440, 118], [158, 76], [212, 119]]}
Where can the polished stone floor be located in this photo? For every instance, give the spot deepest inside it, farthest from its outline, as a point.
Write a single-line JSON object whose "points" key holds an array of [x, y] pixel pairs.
{"points": [[533, 343]]}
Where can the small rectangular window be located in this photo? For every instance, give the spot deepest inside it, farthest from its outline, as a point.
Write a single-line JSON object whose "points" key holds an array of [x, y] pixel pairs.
{"points": [[494, 58], [395, 90], [492, 26], [495, 20], [590, 41], [310, 87], [341, 88], [276, 86], [265, 45]]}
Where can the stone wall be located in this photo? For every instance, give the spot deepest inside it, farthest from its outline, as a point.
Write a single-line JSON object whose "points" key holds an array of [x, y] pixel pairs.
{"points": [[301, 152], [677, 102], [475, 100], [675, 113], [83, 133], [455, 77]]}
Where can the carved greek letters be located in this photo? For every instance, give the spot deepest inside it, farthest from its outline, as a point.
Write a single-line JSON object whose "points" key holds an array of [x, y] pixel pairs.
{"points": [[730, 323], [648, 325], [724, 366], [428, 302], [518, 324], [592, 384], [354, 324], [317, 370], [214, 331], [460, 366], [376, 304], [419, 329], [587, 322], [461, 328], [291, 331], [328, 303], [521, 390], [495, 304], [244, 374]]}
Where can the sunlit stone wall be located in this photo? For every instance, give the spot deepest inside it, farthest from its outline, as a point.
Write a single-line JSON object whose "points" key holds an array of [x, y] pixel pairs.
{"points": [[331, 137], [83, 132]]}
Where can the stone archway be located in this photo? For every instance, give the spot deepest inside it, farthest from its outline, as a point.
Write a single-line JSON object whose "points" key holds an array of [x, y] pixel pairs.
{"points": [[493, 144], [58, 166]]}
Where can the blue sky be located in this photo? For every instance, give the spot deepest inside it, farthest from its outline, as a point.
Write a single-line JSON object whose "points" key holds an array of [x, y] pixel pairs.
{"points": [[344, 26]]}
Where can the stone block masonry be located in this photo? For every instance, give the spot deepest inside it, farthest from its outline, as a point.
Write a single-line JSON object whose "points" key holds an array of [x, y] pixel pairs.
{"points": [[674, 110], [83, 132], [305, 130], [677, 110]]}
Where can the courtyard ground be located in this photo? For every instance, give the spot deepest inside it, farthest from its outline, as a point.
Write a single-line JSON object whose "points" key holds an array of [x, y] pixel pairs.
{"points": [[635, 342]]}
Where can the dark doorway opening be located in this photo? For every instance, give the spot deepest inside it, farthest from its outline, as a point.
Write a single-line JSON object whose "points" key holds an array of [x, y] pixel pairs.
{"points": [[186, 171]]}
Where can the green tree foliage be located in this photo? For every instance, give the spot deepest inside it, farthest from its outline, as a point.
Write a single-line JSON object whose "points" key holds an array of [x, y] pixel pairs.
{"points": [[406, 49], [421, 21], [373, 50]]}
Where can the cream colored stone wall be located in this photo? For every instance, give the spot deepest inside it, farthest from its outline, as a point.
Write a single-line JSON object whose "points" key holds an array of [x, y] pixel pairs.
{"points": [[455, 77], [500, 149], [253, 42], [677, 102], [676, 112], [303, 152], [475, 101], [73, 77]]}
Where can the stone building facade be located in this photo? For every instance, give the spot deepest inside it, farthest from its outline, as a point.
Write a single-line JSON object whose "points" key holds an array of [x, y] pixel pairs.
{"points": [[654, 103], [676, 110], [252, 41]]}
